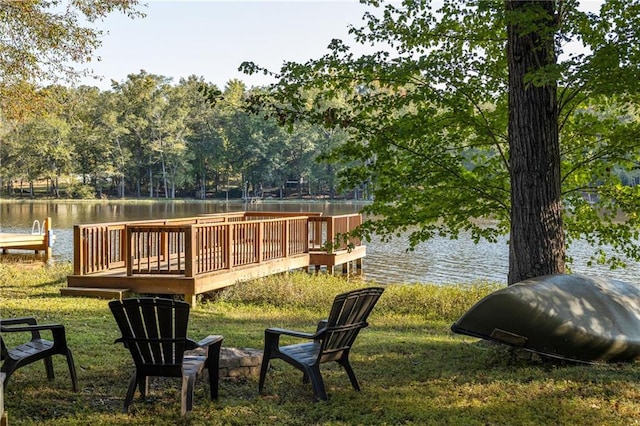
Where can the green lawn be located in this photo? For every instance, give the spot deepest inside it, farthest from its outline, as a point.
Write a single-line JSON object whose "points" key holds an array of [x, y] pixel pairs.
{"points": [[411, 368]]}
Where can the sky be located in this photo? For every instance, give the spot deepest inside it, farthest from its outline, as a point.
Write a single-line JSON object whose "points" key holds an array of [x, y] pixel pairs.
{"points": [[210, 39]]}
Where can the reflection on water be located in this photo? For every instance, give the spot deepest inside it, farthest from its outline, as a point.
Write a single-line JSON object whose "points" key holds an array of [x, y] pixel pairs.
{"points": [[440, 260], [445, 261]]}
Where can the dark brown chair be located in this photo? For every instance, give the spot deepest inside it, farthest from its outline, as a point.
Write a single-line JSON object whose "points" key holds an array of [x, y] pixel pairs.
{"points": [[35, 349], [155, 332], [332, 340]]}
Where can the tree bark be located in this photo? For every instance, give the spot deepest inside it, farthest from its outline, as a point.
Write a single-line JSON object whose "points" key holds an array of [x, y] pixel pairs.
{"points": [[537, 236]]}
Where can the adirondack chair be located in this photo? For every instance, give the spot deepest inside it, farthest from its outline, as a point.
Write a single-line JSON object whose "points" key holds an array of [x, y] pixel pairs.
{"points": [[35, 349], [332, 340], [155, 332]]}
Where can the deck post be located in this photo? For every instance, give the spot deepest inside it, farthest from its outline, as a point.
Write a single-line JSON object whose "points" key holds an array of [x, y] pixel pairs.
{"points": [[318, 234], [123, 244], [190, 250], [47, 237], [285, 238], [260, 242], [79, 251], [315, 229], [330, 236], [163, 249], [128, 261], [229, 245], [191, 299]]}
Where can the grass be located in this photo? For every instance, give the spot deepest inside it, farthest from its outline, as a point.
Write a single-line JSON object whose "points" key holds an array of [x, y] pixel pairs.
{"points": [[412, 369]]}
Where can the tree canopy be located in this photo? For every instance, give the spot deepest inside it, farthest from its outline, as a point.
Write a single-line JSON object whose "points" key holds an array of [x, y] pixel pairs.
{"points": [[151, 137], [44, 41], [486, 117]]}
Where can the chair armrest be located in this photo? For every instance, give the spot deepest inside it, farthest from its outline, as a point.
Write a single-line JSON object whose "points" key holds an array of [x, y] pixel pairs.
{"points": [[204, 343], [279, 331], [322, 324], [38, 327], [272, 339], [16, 321], [210, 340], [57, 330], [320, 328]]}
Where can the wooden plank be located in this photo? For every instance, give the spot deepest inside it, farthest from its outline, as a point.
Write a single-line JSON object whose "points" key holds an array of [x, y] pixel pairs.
{"points": [[16, 240], [161, 284], [78, 253], [321, 258], [101, 293], [217, 280]]}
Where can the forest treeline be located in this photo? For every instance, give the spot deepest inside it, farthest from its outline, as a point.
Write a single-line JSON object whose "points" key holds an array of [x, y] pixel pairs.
{"points": [[151, 137]]}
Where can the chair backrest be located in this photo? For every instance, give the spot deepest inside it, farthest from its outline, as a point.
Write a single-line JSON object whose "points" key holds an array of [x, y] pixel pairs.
{"points": [[154, 330], [348, 316]]}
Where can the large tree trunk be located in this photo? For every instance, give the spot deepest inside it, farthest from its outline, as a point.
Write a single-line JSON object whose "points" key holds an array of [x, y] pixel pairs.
{"points": [[537, 236]]}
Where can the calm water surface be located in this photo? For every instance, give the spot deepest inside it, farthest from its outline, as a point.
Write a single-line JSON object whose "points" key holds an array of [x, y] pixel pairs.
{"points": [[440, 260]]}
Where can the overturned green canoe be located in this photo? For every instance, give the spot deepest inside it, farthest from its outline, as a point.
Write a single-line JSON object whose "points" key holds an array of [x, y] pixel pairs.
{"points": [[572, 317]]}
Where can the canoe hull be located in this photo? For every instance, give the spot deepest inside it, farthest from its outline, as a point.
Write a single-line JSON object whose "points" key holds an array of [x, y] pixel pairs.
{"points": [[573, 317]]}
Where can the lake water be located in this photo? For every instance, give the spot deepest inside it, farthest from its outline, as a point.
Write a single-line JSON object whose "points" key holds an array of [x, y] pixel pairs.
{"points": [[439, 260]]}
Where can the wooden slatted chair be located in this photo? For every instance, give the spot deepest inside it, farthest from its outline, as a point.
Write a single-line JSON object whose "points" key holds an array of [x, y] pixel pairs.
{"points": [[35, 349], [332, 340], [155, 332]]}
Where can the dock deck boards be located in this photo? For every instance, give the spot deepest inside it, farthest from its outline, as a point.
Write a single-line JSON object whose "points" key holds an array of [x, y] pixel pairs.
{"points": [[28, 241], [17, 240]]}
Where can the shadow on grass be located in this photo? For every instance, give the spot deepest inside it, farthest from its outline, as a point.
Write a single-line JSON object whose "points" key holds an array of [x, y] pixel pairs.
{"points": [[416, 376], [411, 371]]}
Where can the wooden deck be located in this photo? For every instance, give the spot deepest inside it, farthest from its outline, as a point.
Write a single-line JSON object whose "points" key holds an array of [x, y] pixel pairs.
{"points": [[196, 255], [39, 241]]}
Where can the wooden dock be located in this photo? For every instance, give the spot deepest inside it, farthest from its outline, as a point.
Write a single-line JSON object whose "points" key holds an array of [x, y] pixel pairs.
{"points": [[39, 240], [196, 255]]}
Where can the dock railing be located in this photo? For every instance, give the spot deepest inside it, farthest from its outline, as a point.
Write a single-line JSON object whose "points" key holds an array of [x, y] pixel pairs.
{"points": [[205, 244], [323, 231], [103, 247]]}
